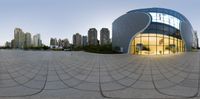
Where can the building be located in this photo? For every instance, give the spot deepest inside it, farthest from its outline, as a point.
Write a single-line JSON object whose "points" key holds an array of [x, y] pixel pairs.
{"points": [[152, 31], [92, 37], [60, 43], [23, 40], [74, 39], [65, 43], [19, 38], [28, 40], [104, 36], [196, 39], [77, 39], [53, 43], [37, 42], [12, 43], [84, 41]]}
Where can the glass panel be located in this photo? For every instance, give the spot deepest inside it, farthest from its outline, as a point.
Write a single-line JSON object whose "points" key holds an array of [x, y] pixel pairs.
{"points": [[166, 41], [176, 45], [160, 42], [145, 35], [133, 50], [160, 49], [152, 31], [138, 35], [152, 50], [133, 42], [144, 41], [137, 41], [171, 40], [165, 19], [160, 35], [152, 41], [149, 44], [165, 36], [152, 35], [166, 49]]}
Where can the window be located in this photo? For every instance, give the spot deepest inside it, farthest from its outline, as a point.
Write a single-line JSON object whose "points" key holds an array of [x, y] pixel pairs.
{"points": [[165, 19], [156, 44]]}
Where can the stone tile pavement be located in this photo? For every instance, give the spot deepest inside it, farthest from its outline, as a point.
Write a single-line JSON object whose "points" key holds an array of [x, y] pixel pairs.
{"points": [[81, 75]]}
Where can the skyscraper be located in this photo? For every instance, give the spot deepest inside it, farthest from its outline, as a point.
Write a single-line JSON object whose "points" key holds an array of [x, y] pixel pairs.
{"points": [[27, 40], [74, 39], [104, 36], [84, 40], [37, 42], [19, 38], [92, 36], [53, 43], [77, 40], [196, 40], [60, 43], [13, 43], [65, 43]]}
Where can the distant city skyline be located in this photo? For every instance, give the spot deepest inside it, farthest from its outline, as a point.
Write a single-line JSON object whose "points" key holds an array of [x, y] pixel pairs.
{"points": [[63, 18], [23, 40]]}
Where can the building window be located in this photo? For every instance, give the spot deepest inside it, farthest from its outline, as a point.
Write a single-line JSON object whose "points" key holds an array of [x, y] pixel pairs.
{"points": [[158, 45], [158, 39], [166, 19]]}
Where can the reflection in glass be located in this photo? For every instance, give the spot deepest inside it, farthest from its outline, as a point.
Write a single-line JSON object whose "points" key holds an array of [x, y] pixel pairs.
{"points": [[161, 37], [165, 18]]}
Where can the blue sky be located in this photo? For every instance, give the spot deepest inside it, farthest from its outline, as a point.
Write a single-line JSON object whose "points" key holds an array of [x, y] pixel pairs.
{"points": [[63, 18]]}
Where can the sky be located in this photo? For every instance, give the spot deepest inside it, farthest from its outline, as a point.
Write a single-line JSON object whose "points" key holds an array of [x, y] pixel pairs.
{"points": [[63, 18]]}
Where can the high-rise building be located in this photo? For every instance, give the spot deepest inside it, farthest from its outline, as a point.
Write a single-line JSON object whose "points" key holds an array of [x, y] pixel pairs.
{"points": [[65, 43], [19, 38], [92, 36], [37, 42], [23, 40], [27, 40], [60, 43], [53, 43], [13, 43], [196, 40], [104, 36], [84, 40], [74, 39], [77, 40]]}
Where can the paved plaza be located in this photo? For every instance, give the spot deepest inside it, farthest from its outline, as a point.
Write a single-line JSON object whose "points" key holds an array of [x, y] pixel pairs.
{"points": [[81, 75]]}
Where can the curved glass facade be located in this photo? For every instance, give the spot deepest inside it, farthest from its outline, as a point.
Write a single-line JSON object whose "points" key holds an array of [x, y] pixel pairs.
{"points": [[153, 31], [165, 19], [158, 38]]}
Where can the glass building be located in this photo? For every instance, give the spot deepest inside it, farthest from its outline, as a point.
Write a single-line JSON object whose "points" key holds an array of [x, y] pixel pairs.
{"points": [[153, 31]]}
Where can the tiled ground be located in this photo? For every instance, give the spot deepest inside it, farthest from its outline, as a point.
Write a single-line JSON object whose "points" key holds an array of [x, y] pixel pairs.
{"points": [[81, 75]]}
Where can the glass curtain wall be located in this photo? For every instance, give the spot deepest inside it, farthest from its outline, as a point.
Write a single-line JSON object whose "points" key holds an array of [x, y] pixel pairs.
{"points": [[159, 38]]}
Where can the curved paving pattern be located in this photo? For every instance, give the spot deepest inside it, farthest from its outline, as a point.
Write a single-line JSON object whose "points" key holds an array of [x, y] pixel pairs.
{"points": [[87, 75]]}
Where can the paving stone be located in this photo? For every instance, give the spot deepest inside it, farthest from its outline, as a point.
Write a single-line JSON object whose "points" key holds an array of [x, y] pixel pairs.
{"points": [[82, 75]]}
